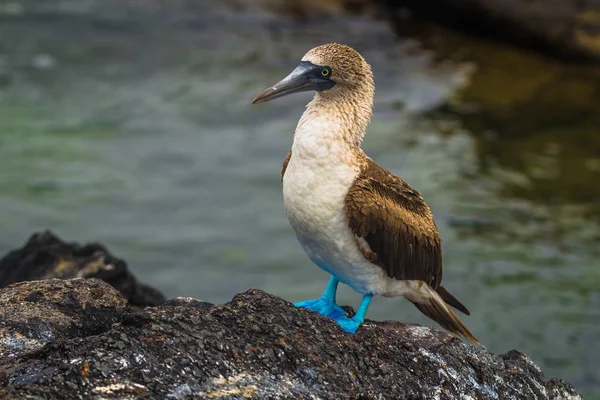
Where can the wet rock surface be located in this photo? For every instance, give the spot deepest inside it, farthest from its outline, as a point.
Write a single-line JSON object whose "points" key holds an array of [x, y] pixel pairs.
{"points": [[46, 256], [256, 346], [33, 314]]}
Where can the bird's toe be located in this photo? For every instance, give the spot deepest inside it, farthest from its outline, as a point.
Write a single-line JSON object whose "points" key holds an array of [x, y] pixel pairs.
{"points": [[350, 325], [324, 307]]}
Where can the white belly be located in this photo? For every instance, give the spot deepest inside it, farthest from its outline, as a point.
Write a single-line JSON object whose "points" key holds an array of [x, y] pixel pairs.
{"points": [[316, 181], [314, 193]]}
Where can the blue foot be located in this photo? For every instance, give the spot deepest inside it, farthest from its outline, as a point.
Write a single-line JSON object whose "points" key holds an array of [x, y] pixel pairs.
{"points": [[324, 307], [326, 304], [350, 325]]}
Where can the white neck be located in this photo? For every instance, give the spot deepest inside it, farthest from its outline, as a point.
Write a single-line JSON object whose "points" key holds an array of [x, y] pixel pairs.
{"points": [[332, 126]]}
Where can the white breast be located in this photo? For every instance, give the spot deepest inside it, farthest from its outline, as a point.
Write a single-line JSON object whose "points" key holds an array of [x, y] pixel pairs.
{"points": [[315, 185]]}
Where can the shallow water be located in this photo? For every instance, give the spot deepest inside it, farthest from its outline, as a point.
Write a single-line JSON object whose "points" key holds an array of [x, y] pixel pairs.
{"points": [[133, 128]]}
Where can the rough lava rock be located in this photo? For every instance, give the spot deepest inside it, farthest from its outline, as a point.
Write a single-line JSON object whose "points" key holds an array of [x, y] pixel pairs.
{"points": [[33, 314], [256, 346], [46, 256]]}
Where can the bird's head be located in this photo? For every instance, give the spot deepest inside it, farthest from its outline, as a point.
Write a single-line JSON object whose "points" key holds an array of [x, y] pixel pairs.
{"points": [[333, 70]]}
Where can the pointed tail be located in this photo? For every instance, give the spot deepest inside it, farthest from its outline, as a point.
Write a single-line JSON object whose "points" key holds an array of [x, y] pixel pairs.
{"points": [[438, 310], [449, 299]]}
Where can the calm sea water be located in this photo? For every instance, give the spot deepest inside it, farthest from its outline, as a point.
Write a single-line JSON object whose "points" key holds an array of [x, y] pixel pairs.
{"points": [[132, 126]]}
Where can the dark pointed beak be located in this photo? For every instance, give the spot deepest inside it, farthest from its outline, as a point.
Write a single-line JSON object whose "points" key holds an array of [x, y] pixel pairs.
{"points": [[295, 82], [304, 78]]}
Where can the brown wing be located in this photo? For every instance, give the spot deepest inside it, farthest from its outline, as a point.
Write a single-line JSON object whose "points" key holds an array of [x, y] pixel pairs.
{"points": [[396, 223], [285, 164]]}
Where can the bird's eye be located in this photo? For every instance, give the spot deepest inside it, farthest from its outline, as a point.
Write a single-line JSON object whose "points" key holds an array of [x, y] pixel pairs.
{"points": [[325, 72]]}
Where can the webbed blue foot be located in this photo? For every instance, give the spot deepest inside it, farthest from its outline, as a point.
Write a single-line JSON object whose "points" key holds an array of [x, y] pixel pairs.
{"points": [[327, 306], [350, 325], [324, 307]]}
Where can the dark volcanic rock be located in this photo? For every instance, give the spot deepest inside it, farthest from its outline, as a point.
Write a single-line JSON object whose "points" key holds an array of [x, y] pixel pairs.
{"points": [[256, 346], [33, 314], [45, 256], [186, 302], [558, 389]]}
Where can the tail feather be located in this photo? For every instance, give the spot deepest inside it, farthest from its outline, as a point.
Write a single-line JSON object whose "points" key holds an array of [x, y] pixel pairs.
{"points": [[448, 298], [440, 312]]}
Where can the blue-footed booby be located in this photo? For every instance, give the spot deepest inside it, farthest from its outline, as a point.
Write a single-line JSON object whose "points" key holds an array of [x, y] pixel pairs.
{"points": [[357, 221]]}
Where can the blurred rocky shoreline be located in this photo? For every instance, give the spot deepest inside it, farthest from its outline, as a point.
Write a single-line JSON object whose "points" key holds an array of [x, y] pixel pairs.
{"points": [[566, 29], [73, 325]]}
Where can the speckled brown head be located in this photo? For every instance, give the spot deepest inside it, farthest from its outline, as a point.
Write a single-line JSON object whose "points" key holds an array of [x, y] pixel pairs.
{"points": [[332, 70], [349, 70]]}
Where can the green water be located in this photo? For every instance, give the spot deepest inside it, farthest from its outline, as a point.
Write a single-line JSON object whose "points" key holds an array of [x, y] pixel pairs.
{"points": [[131, 125]]}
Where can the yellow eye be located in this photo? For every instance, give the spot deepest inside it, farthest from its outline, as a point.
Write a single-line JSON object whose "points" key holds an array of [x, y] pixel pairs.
{"points": [[325, 72]]}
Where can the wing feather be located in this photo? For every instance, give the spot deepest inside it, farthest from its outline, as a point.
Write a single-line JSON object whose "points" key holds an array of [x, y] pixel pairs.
{"points": [[285, 164], [397, 224]]}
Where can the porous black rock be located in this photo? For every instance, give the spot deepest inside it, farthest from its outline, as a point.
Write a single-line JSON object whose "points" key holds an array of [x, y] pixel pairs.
{"points": [[186, 302], [256, 346], [46, 256], [33, 314]]}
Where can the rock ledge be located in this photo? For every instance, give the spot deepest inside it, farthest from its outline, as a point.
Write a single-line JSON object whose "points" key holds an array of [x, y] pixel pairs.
{"points": [[79, 339]]}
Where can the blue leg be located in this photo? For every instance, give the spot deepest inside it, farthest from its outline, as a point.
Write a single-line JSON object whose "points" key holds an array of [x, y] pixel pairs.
{"points": [[351, 324], [326, 304]]}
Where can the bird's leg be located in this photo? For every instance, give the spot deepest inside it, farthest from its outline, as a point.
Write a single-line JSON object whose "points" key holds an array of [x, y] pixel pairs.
{"points": [[326, 304], [351, 324]]}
